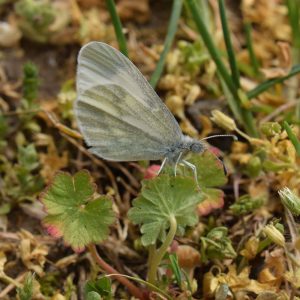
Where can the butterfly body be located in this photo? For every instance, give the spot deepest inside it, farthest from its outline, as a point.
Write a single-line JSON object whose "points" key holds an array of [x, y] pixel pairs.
{"points": [[120, 115]]}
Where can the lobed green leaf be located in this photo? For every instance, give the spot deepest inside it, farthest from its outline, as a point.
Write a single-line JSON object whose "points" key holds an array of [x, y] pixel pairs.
{"points": [[73, 213], [161, 198]]}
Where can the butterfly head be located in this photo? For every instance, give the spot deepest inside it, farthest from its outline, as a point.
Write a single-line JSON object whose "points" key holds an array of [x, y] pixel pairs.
{"points": [[197, 147]]}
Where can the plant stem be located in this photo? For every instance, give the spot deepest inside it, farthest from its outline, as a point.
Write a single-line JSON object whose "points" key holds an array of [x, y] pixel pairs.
{"points": [[235, 74], [172, 28], [210, 45], [252, 56], [269, 83], [159, 254], [118, 26], [135, 291], [233, 105], [293, 231], [292, 137], [294, 14], [246, 115]]}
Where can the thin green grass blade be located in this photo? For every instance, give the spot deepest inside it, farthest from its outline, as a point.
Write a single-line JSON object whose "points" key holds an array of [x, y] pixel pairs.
{"points": [[253, 59], [246, 115], [233, 105], [212, 49], [175, 268], [172, 28], [269, 83], [292, 137], [294, 15], [118, 26], [235, 74]]}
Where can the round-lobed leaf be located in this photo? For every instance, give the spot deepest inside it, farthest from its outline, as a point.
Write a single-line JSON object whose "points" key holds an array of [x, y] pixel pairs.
{"points": [[73, 213], [162, 198]]}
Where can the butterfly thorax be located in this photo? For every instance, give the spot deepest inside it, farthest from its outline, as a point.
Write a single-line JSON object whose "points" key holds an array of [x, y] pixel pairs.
{"points": [[180, 149]]}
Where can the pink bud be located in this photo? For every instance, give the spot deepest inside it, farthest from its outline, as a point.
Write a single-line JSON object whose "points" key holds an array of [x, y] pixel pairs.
{"points": [[151, 171]]}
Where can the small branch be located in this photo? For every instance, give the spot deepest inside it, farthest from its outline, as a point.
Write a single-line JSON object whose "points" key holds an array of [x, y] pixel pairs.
{"points": [[135, 291], [159, 254]]}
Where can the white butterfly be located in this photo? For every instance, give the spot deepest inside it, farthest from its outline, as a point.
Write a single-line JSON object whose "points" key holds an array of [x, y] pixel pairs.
{"points": [[120, 115]]}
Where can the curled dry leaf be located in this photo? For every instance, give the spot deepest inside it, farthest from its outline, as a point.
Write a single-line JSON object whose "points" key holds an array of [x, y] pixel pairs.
{"points": [[137, 10], [51, 161], [250, 248], [33, 253], [236, 282], [274, 268], [188, 258]]}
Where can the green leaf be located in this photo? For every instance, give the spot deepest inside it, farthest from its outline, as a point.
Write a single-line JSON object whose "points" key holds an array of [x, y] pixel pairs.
{"points": [[74, 213], [3, 127], [209, 169], [94, 289], [246, 204], [30, 82], [26, 292], [93, 296], [162, 198], [175, 268], [217, 245], [28, 157]]}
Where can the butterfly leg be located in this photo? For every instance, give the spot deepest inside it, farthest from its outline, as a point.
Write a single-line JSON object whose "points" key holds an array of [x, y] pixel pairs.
{"points": [[194, 169], [162, 165], [177, 162]]}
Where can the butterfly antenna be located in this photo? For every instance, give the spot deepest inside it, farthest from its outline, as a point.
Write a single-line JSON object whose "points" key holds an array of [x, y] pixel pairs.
{"points": [[220, 135], [221, 161]]}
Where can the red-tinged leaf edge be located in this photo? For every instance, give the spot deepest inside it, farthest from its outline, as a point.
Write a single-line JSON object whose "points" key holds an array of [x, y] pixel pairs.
{"points": [[208, 205], [53, 230]]}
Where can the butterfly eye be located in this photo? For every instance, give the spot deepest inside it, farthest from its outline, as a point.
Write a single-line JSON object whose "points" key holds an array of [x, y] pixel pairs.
{"points": [[197, 147]]}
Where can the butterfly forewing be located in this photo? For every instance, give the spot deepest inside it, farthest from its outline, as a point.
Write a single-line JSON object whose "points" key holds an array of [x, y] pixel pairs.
{"points": [[119, 114]]}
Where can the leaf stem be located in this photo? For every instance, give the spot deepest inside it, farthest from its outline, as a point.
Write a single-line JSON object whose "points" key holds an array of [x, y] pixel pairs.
{"points": [[134, 290], [159, 253], [117, 25], [172, 28]]}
